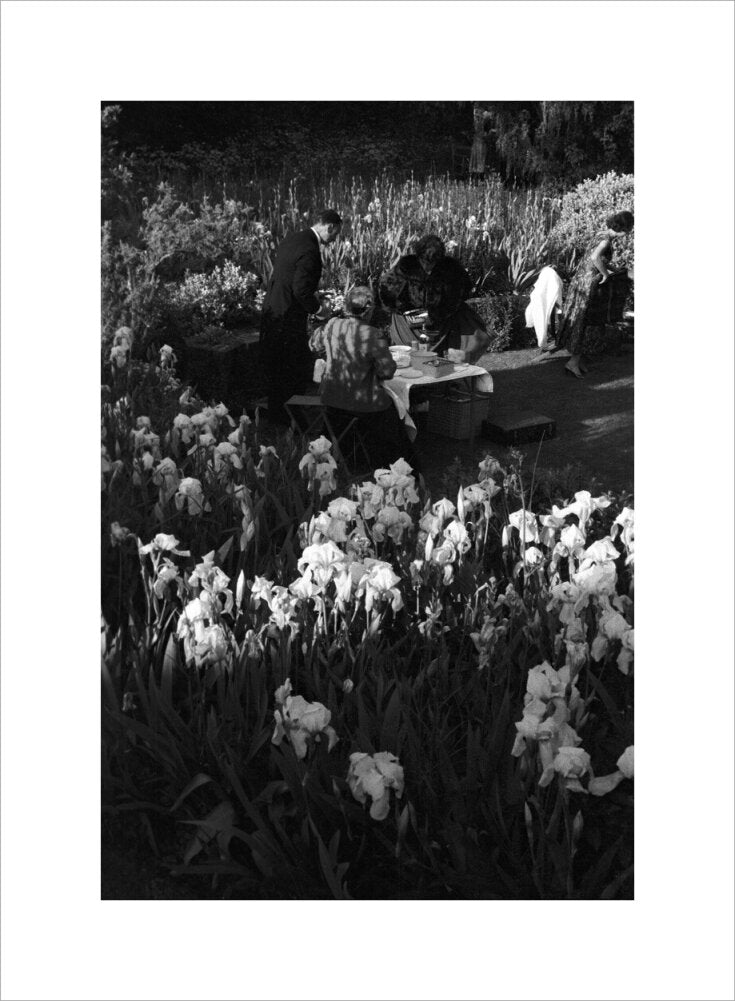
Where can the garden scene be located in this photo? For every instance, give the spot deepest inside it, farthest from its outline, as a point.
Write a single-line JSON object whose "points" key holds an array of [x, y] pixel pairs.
{"points": [[326, 678]]}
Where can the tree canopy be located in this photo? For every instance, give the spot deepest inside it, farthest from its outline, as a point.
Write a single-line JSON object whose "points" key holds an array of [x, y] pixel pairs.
{"points": [[534, 141], [528, 142]]}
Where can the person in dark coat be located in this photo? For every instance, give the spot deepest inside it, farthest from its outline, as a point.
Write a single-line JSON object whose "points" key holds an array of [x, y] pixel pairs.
{"points": [[431, 280], [290, 299]]}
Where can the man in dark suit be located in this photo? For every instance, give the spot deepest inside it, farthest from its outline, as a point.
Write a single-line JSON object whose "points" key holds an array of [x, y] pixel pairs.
{"points": [[290, 299]]}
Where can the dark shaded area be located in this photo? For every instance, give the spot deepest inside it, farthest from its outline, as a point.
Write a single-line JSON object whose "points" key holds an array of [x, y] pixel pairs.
{"points": [[558, 142], [171, 124], [526, 142], [300, 135], [594, 421], [594, 418]]}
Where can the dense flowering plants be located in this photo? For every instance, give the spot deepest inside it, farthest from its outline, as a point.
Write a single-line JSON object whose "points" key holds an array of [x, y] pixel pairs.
{"points": [[227, 294], [473, 655], [184, 262], [196, 263]]}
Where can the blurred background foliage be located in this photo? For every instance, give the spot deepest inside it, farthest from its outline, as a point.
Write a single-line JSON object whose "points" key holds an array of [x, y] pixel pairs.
{"points": [[528, 142]]}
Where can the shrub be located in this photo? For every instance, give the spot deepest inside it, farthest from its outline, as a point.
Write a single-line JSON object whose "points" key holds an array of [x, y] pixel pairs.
{"points": [[583, 214], [504, 318], [214, 248], [209, 232], [224, 296], [114, 288]]}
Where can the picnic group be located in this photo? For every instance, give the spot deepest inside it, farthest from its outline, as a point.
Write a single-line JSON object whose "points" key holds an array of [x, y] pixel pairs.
{"points": [[360, 353]]}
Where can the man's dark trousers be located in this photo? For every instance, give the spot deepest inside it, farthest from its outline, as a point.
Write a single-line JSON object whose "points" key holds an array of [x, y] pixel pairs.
{"points": [[284, 338]]}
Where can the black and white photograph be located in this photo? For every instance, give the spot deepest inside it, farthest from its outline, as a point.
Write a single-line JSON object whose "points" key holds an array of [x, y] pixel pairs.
{"points": [[368, 500], [343, 301]]}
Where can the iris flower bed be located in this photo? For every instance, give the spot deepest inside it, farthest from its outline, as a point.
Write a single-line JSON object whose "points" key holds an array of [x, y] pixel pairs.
{"points": [[315, 687]]}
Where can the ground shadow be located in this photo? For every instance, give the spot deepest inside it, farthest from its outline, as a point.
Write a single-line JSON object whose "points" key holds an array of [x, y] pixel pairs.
{"points": [[594, 418]]}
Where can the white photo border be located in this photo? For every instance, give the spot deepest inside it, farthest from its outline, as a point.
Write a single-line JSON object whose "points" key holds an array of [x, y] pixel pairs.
{"points": [[59, 61]]}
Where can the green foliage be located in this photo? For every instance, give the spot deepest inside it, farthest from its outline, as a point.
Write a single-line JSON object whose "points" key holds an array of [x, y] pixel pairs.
{"points": [[559, 143], [186, 268], [210, 232], [146, 285], [582, 215], [220, 139], [121, 181], [504, 318], [113, 287], [136, 389], [190, 265], [529, 142], [226, 296]]}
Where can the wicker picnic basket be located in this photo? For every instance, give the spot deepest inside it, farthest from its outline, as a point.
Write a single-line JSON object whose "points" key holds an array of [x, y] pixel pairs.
{"points": [[459, 414]]}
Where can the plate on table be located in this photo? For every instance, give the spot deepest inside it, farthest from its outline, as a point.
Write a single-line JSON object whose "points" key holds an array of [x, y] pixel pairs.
{"points": [[409, 373], [460, 366]]}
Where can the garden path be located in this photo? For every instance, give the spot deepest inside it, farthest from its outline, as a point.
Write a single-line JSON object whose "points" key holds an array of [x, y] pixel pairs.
{"points": [[594, 420]]}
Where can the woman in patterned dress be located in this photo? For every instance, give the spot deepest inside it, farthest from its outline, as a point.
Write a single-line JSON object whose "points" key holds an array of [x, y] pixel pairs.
{"points": [[589, 290]]}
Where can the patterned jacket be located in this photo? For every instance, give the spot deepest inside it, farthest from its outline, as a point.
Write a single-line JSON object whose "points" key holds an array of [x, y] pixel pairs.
{"points": [[357, 360]]}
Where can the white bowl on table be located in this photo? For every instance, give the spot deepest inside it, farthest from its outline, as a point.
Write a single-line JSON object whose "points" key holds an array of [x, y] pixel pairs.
{"points": [[401, 355]]}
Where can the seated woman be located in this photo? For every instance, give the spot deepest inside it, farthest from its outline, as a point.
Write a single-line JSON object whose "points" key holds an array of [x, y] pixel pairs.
{"points": [[430, 280], [357, 362]]}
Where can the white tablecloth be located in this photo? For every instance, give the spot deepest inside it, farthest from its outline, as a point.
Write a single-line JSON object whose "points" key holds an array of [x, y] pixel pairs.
{"points": [[400, 389]]}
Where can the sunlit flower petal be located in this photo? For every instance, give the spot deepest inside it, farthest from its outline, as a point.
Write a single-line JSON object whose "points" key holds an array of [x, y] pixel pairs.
{"points": [[625, 762]]}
